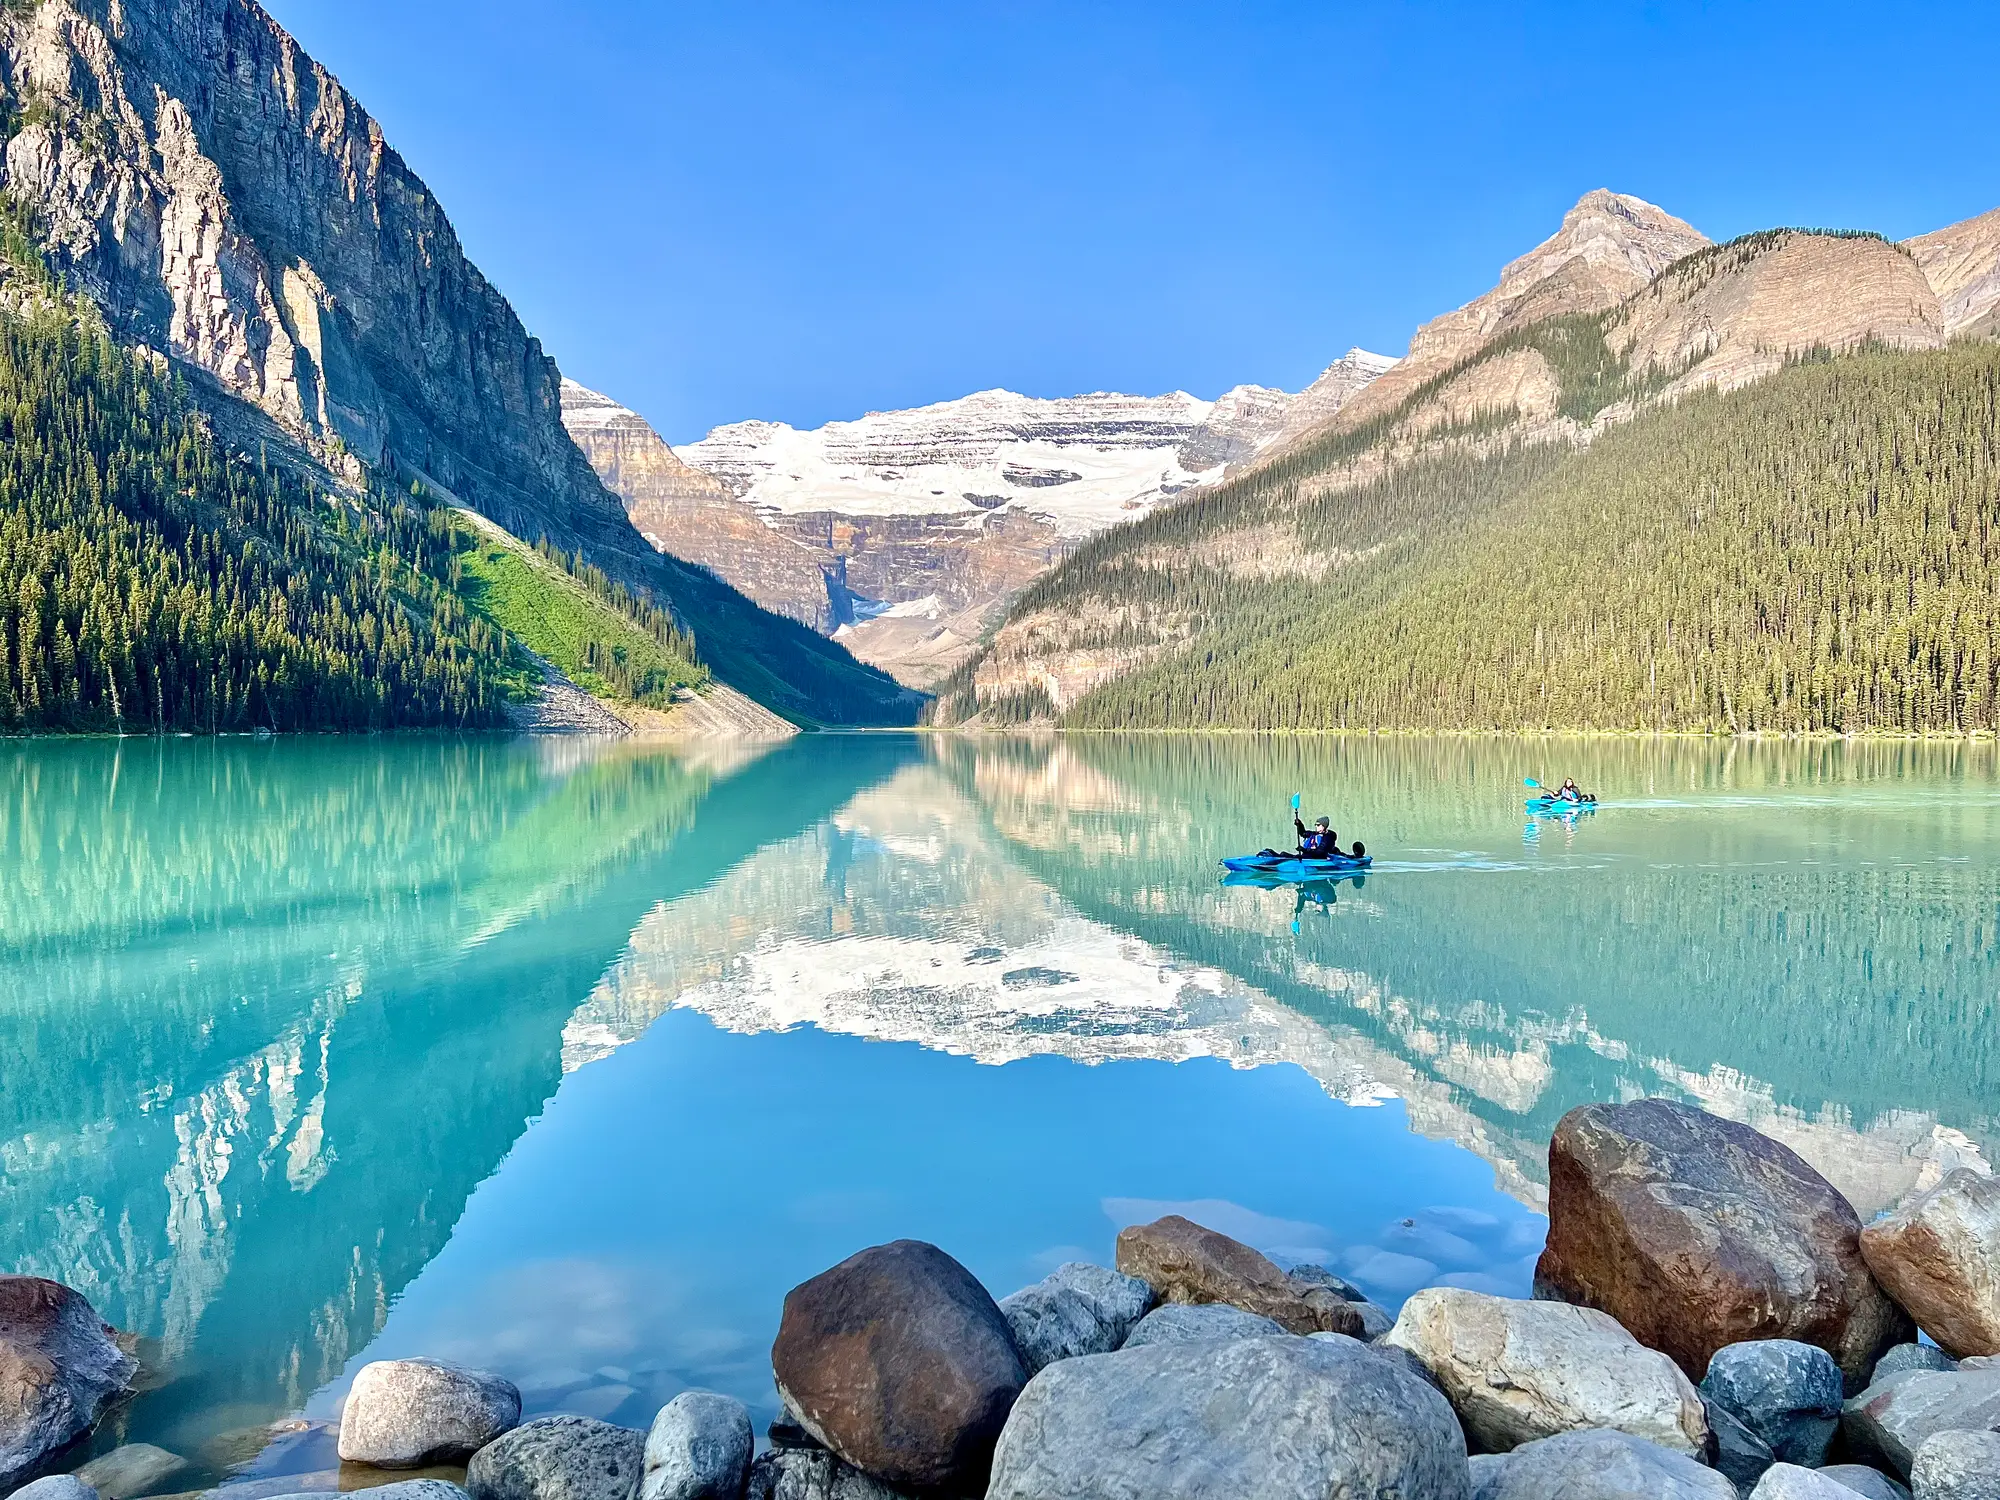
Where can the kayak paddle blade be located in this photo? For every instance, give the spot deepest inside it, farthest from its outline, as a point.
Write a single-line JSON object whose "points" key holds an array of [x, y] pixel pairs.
{"points": [[1530, 781]]}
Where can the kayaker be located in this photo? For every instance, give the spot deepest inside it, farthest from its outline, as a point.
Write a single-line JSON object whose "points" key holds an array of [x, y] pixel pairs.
{"points": [[1317, 842], [1568, 791]]}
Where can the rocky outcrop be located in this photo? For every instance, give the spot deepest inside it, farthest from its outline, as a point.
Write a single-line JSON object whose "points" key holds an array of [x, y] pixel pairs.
{"points": [[1962, 264], [1185, 1262], [59, 1369], [899, 1362], [1520, 1371], [1255, 1417], [559, 1458], [1319, 403], [1939, 1256], [409, 1413], [1696, 1233]]}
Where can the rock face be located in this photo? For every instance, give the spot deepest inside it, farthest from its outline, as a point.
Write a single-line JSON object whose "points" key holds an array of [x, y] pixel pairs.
{"points": [[1604, 1466], [408, 1413], [1518, 1371], [1887, 1422], [1185, 1323], [699, 1448], [1962, 264], [1079, 1309], [1272, 1417], [1957, 1466], [559, 1458], [899, 1361], [1319, 403], [58, 1370], [1184, 1262], [1696, 1233], [1786, 1392], [1939, 1256]]}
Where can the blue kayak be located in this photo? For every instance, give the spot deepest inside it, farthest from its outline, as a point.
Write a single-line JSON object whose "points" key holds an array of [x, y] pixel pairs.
{"points": [[1559, 805], [1291, 867]]}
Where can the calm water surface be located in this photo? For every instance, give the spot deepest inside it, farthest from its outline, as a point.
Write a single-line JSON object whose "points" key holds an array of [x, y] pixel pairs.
{"points": [[568, 1060]]}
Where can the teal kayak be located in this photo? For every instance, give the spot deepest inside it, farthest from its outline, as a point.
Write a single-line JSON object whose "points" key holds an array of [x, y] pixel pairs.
{"points": [[1291, 867], [1559, 805]]}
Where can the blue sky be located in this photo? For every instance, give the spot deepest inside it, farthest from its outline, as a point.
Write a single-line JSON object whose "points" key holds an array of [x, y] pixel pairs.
{"points": [[807, 211]]}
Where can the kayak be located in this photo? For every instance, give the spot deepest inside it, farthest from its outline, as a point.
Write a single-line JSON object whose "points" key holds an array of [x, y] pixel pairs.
{"points": [[1291, 867], [1560, 805]]}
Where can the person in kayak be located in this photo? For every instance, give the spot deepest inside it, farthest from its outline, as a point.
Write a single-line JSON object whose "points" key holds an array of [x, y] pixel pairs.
{"points": [[1318, 841], [1568, 791]]}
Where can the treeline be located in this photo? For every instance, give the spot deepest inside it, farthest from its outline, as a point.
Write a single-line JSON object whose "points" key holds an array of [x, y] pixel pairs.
{"points": [[1816, 553], [149, 581]]}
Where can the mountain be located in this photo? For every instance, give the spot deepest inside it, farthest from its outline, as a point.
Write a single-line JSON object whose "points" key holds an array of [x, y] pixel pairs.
{"points": [[224, 202], [904, 534], [1619, 491]]}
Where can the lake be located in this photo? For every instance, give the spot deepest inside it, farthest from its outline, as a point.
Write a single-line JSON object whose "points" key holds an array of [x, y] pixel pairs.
{"points": [[568, 1059]]}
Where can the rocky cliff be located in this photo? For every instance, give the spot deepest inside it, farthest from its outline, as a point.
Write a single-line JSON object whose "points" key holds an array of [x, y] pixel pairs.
{"points": [[1962, 264]]}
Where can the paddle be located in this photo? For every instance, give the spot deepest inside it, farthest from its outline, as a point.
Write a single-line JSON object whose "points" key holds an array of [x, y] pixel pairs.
{"points": [[1530, 781]]}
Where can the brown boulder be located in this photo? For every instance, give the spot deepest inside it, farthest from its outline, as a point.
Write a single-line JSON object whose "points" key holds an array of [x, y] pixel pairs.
{"points": [[899, 1361], [1939, 1256], [1186, 1263], [59, 1368], [1696, 1233]]}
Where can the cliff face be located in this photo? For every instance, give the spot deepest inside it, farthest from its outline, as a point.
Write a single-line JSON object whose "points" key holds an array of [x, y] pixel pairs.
{"points": [[223, 199], [1962, 264]]}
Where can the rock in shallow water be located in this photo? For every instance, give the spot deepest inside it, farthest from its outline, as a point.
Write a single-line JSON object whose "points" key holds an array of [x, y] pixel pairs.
{"points": [[699, 1448], [1957, 1466], [559, 1458], [1080, 1309], [406, 1413], [1604, 1466], [59, 1369], [1184, 1262], [1182, 1323], [900, 1362], [1786, 1392], [1697, 1233], [1517, 1371], [1939, 1256], [1887, 1422], [1275, 1418], [131, 1470]]}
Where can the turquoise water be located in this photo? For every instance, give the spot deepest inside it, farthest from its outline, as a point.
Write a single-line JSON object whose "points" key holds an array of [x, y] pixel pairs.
{"points": [[568, 1060]]}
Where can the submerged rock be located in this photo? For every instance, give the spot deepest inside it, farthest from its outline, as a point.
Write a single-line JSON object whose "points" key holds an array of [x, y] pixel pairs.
{"points": [[59, 1369], [1320, 1276], [1888, 1422], [1939, 1256], [131, 1470], [1518, 1371], [1182, 1323], [1957, 1466], [1786, 1392], [1079, 1309], [1697, 1233], [900, 1362], [406, 1413], [559, 1458], [699, 1448], [1184, 1262], [1271, 1418], [1605, 1465]]}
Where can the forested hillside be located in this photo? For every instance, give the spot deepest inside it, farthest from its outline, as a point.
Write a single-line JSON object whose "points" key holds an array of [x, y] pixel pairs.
{"points": [[1813, 553]]}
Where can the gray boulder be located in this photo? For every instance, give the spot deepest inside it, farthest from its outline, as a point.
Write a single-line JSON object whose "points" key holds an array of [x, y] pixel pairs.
{"points": [[1791, 1482], [1605, 1465], [1740, 1455], [1866, 1481], [1080, 1309], [402, 1489], [1886, 1423], [1310, 1275], [55, 1487], [1786, 1392], [812, 1474], [559, 1458], [1487, 1469], [131, 1470], [1957, 1466], [1911, 1357], [1187, 1322], [1375, 1320], [59, 1368], [1272, 1418], [407, 1413], [699, 1448]]}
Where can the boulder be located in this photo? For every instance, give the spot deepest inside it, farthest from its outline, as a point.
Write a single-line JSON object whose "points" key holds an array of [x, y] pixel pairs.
{"points": [[1911, 1357], [130, 1470], [413, 1489], [1517, 1371], [1271, 1418], [401, 1489], [55, 1487], [1886, 1423], [1080, 1309], [409, 1413], [1179, 1323], [1793, 1482], [1957, 1466], [812, 1474], [1605, 1465], [1697, 1233], [1486, 1471], [1866, 1481], [1740, 1455], [1786, 1392], [1183, 1262], [1375, 1321], [1939, 1256], [699, 1448], [899, 1361], [59, 1369], [559, 1458]]}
